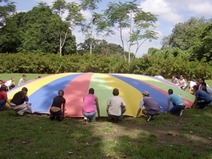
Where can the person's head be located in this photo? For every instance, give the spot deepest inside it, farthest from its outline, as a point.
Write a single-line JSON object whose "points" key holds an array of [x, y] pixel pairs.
{"points": [[24, 90], [91, 91], [3, 88], [181, 77], [201, 80], [115, 92], [195, 88], [60, 92], [145, 93], [24, 76], [170, 91]]}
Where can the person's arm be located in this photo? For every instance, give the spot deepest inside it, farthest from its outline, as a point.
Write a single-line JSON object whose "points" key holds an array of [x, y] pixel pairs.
{"points": [[168, 105], [194, 103], [97, 106], [63, 107], [138, 112], [107, 109], [28, 106]]}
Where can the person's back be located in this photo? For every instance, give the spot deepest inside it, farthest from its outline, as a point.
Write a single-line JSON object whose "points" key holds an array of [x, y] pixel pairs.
{"points": [[202, 95], [178, 104], [89, 103], [150, 103], [19, 98], [175, 99], [58, 101], [115, 103]]}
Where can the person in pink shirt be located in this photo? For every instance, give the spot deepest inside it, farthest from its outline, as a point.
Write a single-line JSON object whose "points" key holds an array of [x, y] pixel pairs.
{"points": [[90, 106]]}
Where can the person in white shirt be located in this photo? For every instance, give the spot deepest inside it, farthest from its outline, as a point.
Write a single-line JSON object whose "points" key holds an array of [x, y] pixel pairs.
{"points": [[22, 80], [115, 107]]}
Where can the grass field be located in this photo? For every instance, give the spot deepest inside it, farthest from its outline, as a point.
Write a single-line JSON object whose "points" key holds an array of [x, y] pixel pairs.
{"points": [[167, 137]]}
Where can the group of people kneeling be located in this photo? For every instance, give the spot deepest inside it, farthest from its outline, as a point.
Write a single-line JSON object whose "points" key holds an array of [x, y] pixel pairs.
{"points": [[115, 105]]}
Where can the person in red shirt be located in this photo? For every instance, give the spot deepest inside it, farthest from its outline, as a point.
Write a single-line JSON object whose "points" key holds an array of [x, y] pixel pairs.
{"points": [[3, 97]]}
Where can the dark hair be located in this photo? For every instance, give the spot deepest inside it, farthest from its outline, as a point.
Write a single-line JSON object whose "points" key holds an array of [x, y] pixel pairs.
{"points": [[24, 89], [3, 88], [61, 92], [195, 87], [170, 91], [115, 92], [91, 91]]}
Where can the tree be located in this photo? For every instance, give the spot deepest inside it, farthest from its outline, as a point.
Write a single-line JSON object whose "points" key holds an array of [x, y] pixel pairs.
{"points": [[73, 18], [36, 31], [191, 36], [101, 47], [87, 27], [6, 11], [127, 17]]}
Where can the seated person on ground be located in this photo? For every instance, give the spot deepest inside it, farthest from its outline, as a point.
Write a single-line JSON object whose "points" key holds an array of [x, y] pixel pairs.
{"points": [[178, 104], [151, 107], [115, 107], [57, 109], [90, 106], [19, 102], [174, 80], [182, 83]]}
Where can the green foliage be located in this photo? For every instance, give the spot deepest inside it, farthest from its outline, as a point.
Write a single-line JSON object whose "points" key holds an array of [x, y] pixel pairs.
{"points": [[193, 36], [148, 64], [38, 30]]}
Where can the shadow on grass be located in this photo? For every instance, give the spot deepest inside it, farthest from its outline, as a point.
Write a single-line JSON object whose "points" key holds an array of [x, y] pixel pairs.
{"points": [[168, 136], [35, 136]]}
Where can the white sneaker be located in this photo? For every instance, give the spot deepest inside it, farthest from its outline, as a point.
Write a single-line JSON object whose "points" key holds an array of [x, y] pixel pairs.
{"points": [[149, 118], [181, 113]]}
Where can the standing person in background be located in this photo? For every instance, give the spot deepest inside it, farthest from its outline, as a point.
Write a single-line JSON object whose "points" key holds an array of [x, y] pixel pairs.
{"points": [[151, 107], [115, 107], [57, 109], [178, 104], [90, 106], [22, 80], [19, 102]]}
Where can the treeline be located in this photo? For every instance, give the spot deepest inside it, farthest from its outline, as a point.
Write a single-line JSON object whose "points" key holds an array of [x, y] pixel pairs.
{"points": [[147, 65]]}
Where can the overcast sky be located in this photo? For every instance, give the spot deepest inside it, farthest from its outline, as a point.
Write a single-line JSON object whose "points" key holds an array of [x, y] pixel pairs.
{"points": [[169, 13]]}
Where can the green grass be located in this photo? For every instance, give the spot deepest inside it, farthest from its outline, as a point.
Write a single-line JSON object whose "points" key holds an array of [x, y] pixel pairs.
{"points": [[168, 136], [17, 76]]}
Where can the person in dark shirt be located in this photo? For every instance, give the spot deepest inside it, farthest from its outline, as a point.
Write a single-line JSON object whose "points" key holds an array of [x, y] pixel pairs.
{"points": [[58, 107], [19, 102]]}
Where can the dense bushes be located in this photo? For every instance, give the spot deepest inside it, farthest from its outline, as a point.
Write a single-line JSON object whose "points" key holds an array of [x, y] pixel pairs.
{"points": [[148, 65]]}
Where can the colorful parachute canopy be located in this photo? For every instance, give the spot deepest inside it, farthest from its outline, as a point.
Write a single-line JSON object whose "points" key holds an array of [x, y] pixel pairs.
{"points": [[41, 91]]}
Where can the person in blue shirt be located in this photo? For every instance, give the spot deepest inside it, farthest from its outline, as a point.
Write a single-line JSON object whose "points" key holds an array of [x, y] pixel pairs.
{"points": [[178, 104], [202, 98]]}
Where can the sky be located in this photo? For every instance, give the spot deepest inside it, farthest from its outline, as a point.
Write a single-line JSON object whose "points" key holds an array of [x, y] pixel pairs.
{"points": [[169, 13]]}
